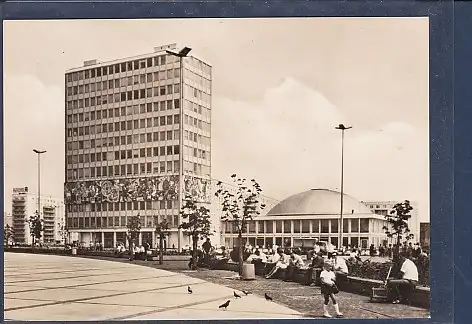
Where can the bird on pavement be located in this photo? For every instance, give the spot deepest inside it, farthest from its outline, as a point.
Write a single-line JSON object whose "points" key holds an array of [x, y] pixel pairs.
{"points": [[224, 305], [189, 290], [236, 295], [267, 297], [246, 292]]}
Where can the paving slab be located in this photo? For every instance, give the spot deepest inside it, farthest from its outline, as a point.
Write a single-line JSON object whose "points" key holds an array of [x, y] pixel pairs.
{"points": [[61, 288]]}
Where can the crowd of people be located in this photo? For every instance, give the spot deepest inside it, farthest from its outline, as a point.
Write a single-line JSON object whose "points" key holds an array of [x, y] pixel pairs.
{"points": [[322, 265]]}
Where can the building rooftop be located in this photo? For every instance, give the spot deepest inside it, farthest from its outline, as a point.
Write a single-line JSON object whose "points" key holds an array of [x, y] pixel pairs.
{"points": [[318, 202]]}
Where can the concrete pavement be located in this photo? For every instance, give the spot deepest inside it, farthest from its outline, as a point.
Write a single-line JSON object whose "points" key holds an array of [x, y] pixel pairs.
{"points": [[60, 288]]}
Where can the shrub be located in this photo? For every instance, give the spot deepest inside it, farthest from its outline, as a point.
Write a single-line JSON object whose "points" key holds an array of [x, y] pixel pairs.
{"points": [[379, 270]]}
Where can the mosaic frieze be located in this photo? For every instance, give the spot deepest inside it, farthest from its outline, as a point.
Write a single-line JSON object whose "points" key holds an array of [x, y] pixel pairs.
{"points": [[199, 189], [122, 190]]}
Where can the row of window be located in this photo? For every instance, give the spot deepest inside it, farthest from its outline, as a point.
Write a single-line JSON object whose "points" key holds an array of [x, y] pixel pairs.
{"points": [[135, 124], [137, 80], [119, 221], [133, 66], [124, 206], [123, 82], [136, 169], [138, 153], [150, 93], [124, 125], [142, 108], [121, 67], [305, 226], [136, 139]]}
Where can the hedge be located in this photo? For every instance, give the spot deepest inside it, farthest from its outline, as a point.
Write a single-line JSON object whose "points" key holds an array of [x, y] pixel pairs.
{"points": [[379, 270]]}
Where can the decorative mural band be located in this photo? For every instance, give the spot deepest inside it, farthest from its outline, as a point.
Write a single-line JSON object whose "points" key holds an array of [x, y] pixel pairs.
{"points": [[198, 188], [122, 190]]}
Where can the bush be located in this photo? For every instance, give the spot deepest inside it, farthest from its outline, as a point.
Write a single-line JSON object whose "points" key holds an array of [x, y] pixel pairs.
{"points": [[379, 270]]}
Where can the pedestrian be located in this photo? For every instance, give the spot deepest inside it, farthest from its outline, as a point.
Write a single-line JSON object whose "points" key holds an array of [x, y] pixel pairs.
{"points": [[329, 289]]}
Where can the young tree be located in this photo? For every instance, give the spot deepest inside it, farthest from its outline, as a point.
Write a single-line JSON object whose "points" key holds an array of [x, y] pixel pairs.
{"points": [[162, 231], [134, 227], [36, 227], [196, 224], [398, 223], [64, 233], [240, 207], [7, 234]]}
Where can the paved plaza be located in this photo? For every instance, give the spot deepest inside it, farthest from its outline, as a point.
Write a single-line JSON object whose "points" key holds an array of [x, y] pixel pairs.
{"points": [[61, 288]]}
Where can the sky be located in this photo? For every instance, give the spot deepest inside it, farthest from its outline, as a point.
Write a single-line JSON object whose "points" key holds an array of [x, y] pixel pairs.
{"points": [[280, 86]]}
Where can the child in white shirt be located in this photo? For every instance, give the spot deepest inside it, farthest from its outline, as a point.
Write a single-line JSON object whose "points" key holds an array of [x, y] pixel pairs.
{"points": [[328, 289]]}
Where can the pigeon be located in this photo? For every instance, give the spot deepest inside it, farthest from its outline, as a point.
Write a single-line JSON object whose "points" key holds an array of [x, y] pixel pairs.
{"points": [[267, 297], [224, 305], [246, 292], [189, 290], [236, 295]]}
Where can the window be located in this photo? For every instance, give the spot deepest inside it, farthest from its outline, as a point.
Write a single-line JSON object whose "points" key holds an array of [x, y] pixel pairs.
{"points": [[176, 119], [162, 91], [334, 226], [287, 226], [305, 226], [364, 225], [355, 225], [269, 227]]}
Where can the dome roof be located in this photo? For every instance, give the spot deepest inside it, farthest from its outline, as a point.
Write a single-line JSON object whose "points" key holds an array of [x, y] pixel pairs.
{"points": [[318, 202]]}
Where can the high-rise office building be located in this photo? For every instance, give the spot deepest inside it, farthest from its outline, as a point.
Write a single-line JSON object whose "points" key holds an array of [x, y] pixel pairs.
{"points": [[137, 142], [25, 205]]}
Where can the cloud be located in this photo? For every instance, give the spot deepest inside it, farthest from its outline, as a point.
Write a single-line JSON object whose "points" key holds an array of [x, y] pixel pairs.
{"points": [[34, 118], [288, 142]]}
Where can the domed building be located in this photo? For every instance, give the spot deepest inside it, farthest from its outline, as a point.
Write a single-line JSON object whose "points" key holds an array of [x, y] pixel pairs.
{"points": [[302, 219]]}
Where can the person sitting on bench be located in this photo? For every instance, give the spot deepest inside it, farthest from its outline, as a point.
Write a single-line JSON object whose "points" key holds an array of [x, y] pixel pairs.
{"points": [[400, 288], [281, 264]]}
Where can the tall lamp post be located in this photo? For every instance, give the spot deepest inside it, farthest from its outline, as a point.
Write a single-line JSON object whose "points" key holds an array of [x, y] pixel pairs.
{"points": [[342, 128], [38, 152], [181, 54]]}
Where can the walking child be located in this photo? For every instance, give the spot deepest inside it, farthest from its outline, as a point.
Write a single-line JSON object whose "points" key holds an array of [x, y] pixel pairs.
{"points": [[328, 289]]}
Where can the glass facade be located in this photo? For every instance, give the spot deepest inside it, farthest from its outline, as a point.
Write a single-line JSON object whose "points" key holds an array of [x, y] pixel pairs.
{"points": [[304, 232]]}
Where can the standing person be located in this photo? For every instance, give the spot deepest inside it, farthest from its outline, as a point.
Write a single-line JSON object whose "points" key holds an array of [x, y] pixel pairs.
{"points": [[206, 249], [328, 289], [372, 250]]}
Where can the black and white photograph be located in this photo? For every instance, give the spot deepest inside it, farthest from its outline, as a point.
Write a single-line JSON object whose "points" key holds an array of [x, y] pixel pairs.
{"points": [[179, 169]]}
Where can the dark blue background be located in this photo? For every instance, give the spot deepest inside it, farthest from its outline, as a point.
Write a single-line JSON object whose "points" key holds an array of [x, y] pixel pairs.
{"points": [[463, 162], [444, 125]]}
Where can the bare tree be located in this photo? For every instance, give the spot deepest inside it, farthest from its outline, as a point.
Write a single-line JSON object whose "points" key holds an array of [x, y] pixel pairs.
{"points": [[36, 227], [240, 207], [196, 225], [398, 221], [162, 231], [134, 227]]}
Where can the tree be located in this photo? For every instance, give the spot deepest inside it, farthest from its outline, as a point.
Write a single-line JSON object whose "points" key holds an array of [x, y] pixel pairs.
{"points": [[196, 225], [134, 227], [7, 234], [240, 208], [64, 233], [398, 223], [162, 231], [36, 227]]}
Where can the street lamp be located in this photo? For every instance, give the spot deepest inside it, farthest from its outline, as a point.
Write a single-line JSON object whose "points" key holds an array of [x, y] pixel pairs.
{"points": [[181, 54], [342, 128], [38, 152]]}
